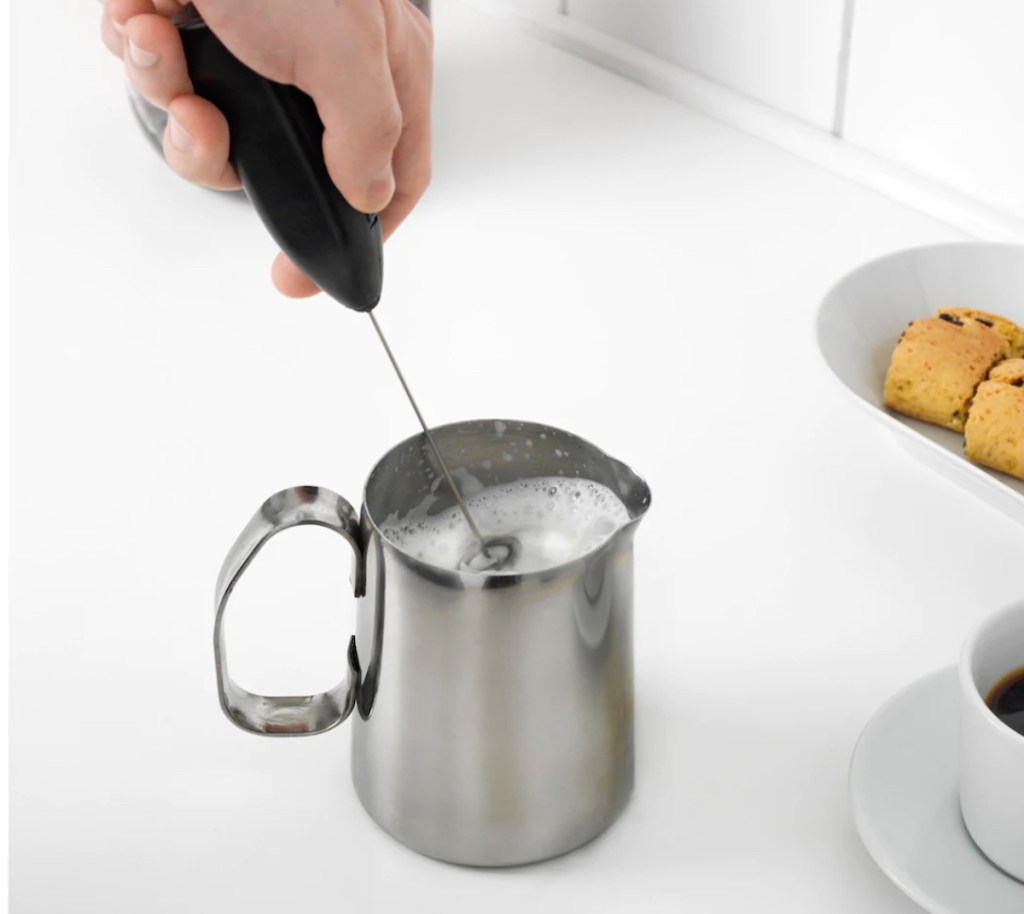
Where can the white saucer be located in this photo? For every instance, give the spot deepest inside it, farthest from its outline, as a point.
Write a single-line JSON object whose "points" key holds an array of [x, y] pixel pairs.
{"points": [[904, 797]]}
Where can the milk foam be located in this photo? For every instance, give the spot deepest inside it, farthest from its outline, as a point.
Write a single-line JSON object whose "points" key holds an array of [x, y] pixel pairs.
{"points": [[556, 519]]}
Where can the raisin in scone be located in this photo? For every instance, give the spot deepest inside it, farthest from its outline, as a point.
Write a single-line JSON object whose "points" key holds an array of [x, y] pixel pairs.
{"points": [[938, 364], [994, 435], [1006, 328], [1009, 372]]}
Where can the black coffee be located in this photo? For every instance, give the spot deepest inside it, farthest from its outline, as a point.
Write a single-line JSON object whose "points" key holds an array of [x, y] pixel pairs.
{"points": [[1007, 700]]}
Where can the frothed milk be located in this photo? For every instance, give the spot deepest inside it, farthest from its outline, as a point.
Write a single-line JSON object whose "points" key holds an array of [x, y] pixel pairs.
{"points": [[555, 519]]}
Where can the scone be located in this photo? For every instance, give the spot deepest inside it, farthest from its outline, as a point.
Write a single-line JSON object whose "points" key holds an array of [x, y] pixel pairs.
{"points": [[1006, 328], [1009, 372], [938, 364], [994, 435]]}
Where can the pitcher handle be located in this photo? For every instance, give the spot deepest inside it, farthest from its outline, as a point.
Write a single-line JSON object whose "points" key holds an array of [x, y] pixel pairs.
{"points": [[288, 715]]}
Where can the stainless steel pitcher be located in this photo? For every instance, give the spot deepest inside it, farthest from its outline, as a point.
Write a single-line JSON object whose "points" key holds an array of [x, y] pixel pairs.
{"points": [[495, 713]]}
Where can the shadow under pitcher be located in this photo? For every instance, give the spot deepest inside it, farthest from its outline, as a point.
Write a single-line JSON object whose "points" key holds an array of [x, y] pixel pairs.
{"points": [[494, 713]]}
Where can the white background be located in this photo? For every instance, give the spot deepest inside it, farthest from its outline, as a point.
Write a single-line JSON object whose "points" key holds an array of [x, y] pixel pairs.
{"points": [[938, 86], [781, 52], [935, 86], [590, 255]]}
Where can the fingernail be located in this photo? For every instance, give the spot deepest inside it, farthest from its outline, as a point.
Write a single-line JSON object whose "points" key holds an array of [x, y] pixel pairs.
{"points": [[382, 188], [118, 27], [180, 138], [140, 57]]}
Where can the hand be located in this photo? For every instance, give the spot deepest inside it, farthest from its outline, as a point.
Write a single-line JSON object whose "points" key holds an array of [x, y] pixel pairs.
{"points": [[366, 63]]}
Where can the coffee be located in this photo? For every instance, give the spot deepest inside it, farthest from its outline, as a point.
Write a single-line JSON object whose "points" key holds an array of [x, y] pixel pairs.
{"points": [[1006, 699], [553, 519]]}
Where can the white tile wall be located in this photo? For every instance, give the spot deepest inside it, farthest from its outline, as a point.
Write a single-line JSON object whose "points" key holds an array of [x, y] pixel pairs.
{"points": [[517, 7], [531, 6], [781, 52], [935, 87], [938, 85]]}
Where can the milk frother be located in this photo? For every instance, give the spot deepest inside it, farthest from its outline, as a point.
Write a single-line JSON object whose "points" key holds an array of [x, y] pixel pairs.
{"points": [[277, 151]]}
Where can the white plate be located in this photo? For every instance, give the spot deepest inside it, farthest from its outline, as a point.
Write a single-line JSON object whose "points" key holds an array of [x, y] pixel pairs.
{"points": [[905, 803], [864, 314]]}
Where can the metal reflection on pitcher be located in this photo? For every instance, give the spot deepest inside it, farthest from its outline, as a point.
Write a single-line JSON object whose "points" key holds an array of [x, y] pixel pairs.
{"points": [[495, 707]]}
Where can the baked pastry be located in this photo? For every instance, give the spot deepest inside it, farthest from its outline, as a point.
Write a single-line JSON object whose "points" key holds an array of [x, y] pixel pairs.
{"points": [[938, 364], [1009, 372], [1006, 328], [994, 435]]}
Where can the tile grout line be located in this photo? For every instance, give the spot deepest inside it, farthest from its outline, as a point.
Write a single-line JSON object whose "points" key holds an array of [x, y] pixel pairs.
{"points": [[814, 144], [843, 69]]}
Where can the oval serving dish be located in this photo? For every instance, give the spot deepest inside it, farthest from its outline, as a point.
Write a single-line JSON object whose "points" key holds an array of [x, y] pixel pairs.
{"points": [[861, 318]]}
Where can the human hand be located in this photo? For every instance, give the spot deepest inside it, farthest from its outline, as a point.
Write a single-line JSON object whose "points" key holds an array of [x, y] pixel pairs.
{"points": [[366, 64]]}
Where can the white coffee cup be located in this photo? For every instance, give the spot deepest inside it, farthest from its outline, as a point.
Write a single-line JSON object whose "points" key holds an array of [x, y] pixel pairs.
{"points": [[991, 754]]}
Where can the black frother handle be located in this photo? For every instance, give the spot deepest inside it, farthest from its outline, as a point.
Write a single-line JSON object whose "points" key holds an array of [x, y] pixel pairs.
{"points": [[276, 148]]}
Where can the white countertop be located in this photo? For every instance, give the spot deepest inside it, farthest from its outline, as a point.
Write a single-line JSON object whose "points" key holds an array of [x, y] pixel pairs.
{"points": [[590, 255]]}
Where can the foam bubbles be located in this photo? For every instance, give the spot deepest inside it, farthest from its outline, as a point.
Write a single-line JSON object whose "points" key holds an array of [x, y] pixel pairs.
{"points": [[556, 519]]}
